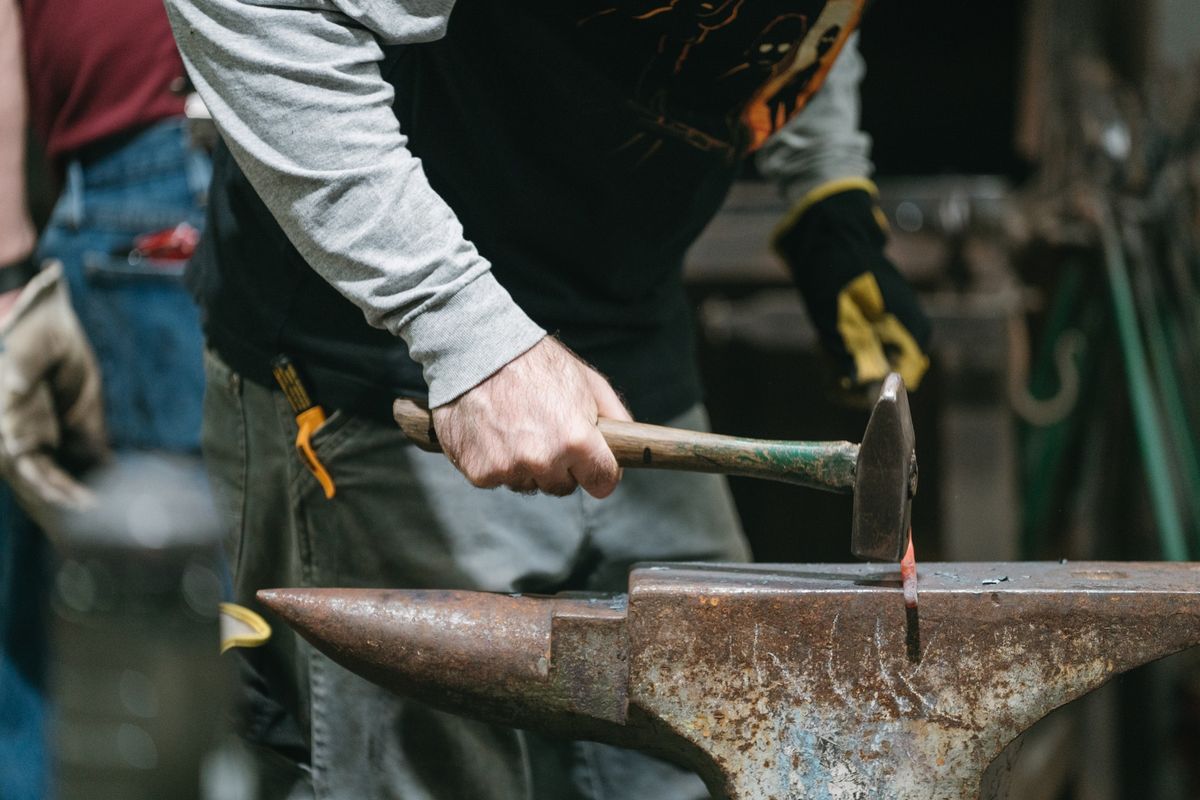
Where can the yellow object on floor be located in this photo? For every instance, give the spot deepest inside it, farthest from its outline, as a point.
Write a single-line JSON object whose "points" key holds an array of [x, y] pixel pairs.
{"points": [[241, 627]]}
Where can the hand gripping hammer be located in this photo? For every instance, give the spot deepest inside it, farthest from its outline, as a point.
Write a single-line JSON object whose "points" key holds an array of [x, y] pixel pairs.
{"points": [[881, 471]]}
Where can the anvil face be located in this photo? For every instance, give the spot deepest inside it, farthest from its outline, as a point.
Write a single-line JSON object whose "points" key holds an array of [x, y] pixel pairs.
{"points": [[776, 682]]}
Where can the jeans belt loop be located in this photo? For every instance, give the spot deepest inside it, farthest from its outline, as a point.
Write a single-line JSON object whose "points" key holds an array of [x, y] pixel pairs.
{"points": [[73, 194]]}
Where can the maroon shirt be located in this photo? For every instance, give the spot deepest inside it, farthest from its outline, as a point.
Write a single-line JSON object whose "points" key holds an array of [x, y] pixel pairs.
{"points": [[97, 68]]}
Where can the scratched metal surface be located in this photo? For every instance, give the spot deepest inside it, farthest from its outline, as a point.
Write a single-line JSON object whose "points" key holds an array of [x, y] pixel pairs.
{"points": [[775, 682], [812, 682], [959, 577]]}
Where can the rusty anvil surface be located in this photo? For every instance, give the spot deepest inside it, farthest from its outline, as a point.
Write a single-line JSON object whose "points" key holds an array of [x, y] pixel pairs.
{"points": [[775, 682]]}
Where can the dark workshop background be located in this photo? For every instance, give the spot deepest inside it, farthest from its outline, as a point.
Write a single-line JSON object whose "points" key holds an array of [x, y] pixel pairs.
{"points": [[1056, 422], [1036, 429]]}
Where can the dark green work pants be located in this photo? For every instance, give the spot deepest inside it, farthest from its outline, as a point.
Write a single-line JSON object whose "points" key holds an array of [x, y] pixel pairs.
{"points": [[403, 518]]}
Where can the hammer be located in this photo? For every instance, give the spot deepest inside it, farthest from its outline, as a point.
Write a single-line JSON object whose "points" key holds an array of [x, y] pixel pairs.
{"points": [[881, 472]]}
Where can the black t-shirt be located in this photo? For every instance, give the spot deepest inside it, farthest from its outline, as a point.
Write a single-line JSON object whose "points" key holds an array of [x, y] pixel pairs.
{"points": [[584, 145]]}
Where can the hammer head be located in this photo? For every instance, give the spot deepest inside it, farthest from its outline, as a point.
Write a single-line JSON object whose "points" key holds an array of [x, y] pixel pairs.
{"points": [[885, 477]]}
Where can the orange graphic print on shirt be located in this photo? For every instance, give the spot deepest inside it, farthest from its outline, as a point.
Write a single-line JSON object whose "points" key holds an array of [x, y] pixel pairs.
{"points": [[720, 75]]}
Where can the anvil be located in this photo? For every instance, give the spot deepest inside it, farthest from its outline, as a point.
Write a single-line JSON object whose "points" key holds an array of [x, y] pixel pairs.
{"points": [[774, 682]]}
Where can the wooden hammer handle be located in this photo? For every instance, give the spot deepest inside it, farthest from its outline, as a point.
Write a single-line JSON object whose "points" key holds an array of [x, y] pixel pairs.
{"points": [[820, 465]]}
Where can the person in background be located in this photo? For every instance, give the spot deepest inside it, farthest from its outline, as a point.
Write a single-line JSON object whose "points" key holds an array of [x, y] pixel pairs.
{"points": [[100, 344]]}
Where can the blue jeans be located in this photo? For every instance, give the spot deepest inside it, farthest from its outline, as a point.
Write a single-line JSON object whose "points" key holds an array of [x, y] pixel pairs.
{"points": [[23, 578], [145, 330]]}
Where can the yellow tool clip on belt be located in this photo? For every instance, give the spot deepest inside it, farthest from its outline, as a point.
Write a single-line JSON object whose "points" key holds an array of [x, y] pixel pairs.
{"points": [[309, 417]]}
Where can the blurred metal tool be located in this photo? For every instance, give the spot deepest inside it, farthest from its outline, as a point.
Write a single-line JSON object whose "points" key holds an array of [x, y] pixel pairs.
{"points": [[136, 677]]}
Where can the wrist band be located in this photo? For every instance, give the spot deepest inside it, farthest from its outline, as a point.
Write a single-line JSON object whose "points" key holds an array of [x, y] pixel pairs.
{"points": [[16, 275]]}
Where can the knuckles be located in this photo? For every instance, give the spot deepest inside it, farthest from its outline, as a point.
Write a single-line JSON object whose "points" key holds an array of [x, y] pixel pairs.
{"points": [[484, 476], [537, 465]]}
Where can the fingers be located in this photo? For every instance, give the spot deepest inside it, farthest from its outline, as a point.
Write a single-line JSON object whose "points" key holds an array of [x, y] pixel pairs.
{"points": [[584, 460], [597, 470], [904, 354], [598, 473], [558, 484], [875, 340], [857, 305], [522, 485], [46, 492]]}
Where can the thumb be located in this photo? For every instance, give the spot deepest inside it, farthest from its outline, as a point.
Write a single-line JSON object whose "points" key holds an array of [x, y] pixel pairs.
{"points": [[860, 339], [608, 403], [605, 473], [39, 481], [46, 492], [904, 354], [597, 471]]}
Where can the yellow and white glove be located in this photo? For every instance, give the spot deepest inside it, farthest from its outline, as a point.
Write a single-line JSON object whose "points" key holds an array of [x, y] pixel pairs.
{"points": [[866, 313], [51, 415]]}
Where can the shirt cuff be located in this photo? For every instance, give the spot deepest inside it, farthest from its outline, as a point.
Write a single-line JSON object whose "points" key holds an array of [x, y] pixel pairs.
{"points": [[470, 336], [828, 173]]}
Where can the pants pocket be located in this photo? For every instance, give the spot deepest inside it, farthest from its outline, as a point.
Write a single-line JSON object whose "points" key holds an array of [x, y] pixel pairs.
{"points": [[335, 426], [145, 329]]}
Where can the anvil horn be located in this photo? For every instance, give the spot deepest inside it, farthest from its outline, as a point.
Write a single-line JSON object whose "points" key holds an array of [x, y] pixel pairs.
{"points": [[509, 659]]}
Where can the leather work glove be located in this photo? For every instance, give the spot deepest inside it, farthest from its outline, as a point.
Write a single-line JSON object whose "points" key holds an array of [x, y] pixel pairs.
{"points": [[866, 313], [51, 418]]}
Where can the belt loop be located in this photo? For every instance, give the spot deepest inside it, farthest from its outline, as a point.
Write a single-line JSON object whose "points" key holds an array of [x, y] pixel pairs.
{"points": [[73, 194], [199, 174]]}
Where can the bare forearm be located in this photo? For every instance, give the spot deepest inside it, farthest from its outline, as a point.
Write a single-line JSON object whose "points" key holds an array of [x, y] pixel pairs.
{"points": [[16, 229]]}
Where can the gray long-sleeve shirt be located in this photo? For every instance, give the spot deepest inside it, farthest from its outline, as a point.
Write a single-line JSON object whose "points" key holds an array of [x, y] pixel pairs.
{"points": [[296, 89]]}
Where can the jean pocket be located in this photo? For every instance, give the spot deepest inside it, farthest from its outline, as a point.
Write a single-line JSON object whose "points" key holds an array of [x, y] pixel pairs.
{"points": [[145, 329], [318, 451], [336, 426], [106, 268]]}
